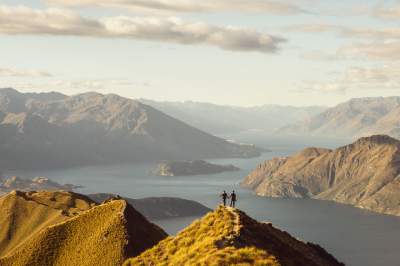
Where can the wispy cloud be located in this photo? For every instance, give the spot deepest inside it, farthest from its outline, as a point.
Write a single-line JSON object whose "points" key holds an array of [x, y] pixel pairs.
{"points": [[321, 56], [76, 86], [386, 77], [12, 72], [194, 6], [388, 51], [174, 30], [348, 32], [387, 12], [371, 44]]}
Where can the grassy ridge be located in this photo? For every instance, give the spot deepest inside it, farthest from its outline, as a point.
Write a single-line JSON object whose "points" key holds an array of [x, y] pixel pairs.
{"points": [[106, 234], [229, 237], [24, 214], [209, 241]]}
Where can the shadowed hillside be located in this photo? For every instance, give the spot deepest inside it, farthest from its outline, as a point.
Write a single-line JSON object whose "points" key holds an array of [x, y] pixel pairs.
{"points": [[229, 237], [365, 174], [55, 130], [63, 232]]}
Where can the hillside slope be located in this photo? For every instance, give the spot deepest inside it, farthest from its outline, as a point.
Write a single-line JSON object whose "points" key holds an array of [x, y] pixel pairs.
{"points": [[106, 234], [229, 237], [365, 174], [55, 130], [355, 118], [23, 214]]}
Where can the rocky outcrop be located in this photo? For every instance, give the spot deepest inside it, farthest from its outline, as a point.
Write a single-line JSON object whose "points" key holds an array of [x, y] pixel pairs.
{"points": [[55, 130], [365, 174], [230, 237], [105, 234], [160, 208], [197, 167]]}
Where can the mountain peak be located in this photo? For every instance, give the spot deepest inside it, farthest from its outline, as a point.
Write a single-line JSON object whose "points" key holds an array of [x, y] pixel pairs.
{"points": [[228, 236], [378, 139]]}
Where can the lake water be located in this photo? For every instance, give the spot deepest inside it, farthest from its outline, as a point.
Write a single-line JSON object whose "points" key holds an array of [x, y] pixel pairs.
{"points": [[354, 236]]}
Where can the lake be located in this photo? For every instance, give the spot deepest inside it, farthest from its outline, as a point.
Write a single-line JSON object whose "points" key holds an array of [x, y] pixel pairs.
{"points": [[354, 236]]}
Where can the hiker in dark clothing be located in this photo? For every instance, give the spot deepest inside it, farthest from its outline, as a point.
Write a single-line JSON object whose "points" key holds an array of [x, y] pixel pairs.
{"points": [[224, 196], [233, 199]]}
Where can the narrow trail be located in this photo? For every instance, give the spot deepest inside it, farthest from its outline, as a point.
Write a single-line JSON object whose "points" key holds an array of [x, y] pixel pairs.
{"points": [[236, 228]]}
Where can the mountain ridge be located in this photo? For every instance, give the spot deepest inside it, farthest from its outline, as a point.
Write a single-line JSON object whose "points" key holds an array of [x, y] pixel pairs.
{"points": [[365, 174], [358, 117], [55, 130], [229, 237]]}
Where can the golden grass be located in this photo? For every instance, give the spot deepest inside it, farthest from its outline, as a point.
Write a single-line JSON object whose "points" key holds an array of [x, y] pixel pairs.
{"points": [[24, 214], [96, 237], [209, 241]]}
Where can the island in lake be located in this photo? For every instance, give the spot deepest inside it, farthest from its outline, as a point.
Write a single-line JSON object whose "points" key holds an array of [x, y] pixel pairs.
{"points": [[197, 167], [38, 183]]}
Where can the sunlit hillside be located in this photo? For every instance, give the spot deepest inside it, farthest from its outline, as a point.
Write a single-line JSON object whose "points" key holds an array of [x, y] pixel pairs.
{"points": [[106, 234]]}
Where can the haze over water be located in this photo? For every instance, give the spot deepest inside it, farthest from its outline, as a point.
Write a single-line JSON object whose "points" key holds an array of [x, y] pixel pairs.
{"points": [[354, 236]]}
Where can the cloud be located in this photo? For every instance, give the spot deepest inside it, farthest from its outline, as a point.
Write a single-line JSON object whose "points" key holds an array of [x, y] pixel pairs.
{"points": [[374, 44], [312, 28], [107, 85], [389, 51], [12, 72], [392, 12], [386, 77], [321, 56], [13, 20], [254, 6], [348, 32], [321, 87]]}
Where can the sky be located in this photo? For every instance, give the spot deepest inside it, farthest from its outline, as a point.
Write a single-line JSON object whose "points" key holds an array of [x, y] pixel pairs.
{"points": [[231, 52]]}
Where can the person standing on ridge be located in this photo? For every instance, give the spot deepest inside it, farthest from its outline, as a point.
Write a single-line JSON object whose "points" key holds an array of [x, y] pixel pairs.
{"points": [[224, 196], [233, 199]]}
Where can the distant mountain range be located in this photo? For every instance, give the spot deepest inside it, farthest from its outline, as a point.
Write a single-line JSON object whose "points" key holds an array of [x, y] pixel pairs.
{"points": [[54, 130], [355, 118], [221, 119], [365, 174]]}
